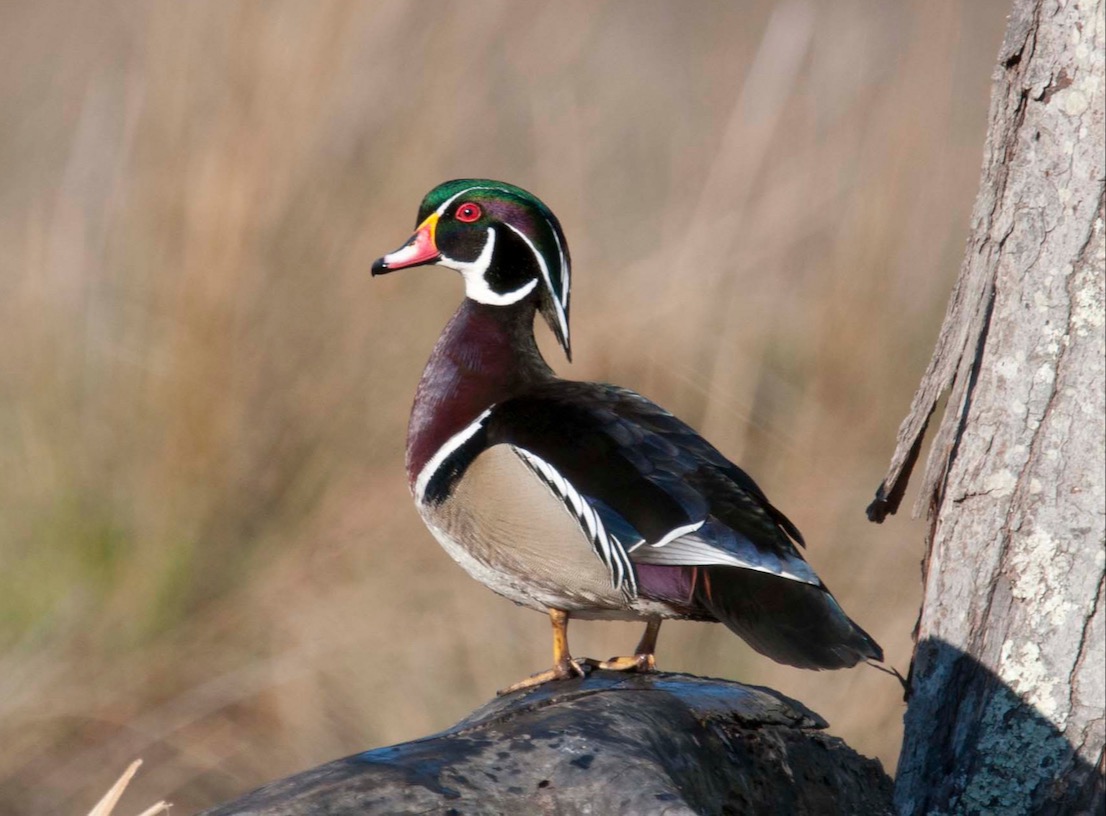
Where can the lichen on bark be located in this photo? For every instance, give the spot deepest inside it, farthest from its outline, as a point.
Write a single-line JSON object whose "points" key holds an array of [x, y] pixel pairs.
{"points": [[1012, 618]]}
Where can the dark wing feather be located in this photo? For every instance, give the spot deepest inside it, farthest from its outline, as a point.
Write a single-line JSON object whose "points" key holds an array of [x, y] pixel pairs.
{"points": [[685, 515], [602, 454], [623, 451]]}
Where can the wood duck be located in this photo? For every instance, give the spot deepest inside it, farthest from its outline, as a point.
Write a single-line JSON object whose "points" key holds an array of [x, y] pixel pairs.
{"points": [[584, 499]]}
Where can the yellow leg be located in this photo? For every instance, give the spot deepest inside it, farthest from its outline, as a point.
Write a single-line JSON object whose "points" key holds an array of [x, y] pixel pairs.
{"points": [[564, 666], [644, 657], [559, 619]]}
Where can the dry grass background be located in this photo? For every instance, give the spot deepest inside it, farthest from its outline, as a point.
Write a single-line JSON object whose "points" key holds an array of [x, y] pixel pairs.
{"points": [[208, 557]]}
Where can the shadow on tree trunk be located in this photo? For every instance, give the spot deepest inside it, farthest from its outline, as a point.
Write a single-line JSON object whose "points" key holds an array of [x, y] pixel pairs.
{"points": [[1032, 769]]}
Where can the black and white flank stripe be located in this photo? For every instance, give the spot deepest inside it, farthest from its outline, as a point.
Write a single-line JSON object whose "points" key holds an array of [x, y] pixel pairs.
{"points": [[606, 545]]}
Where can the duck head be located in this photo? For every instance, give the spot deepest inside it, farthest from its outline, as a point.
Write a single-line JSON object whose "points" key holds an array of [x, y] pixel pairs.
{"points": [[504, 241]]}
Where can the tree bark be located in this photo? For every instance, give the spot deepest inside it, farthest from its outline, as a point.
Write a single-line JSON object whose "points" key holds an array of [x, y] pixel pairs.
{"points": [[1006, 713], [609, 743]]}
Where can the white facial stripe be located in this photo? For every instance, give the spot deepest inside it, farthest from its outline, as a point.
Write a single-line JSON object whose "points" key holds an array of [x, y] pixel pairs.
{"points": [[565, 277], [444, 452], [477, 267], [513, 297], [441, 210], [477, 289], [476, 285], [561, 319]]}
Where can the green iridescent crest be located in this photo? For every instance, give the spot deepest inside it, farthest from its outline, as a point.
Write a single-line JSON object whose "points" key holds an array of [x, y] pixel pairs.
{"points": [[532, 246]]}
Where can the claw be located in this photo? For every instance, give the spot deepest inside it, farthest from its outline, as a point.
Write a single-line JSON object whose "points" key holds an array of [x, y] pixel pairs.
{"points": [[564, 664], [631, 663], [571, 667], [643, 659], [583, 666], [534, 680]]}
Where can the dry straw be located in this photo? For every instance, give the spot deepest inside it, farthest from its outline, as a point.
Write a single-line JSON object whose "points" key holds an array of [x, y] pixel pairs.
{"points": [[106, 805]]}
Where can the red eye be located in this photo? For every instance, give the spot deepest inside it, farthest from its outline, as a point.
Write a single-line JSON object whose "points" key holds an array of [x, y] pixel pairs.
{"points": [[468, 212]]}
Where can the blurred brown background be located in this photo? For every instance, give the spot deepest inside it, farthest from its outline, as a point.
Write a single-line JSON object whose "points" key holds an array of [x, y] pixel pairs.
{"points": [[208, 555]]}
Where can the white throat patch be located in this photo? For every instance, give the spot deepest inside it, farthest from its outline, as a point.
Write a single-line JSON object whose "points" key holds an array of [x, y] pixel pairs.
{"points": [[477, 288], [476, 284]]}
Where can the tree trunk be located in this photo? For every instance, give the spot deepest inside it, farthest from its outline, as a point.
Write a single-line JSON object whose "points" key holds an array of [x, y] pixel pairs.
{"points": [[1006, 713], [610, 743]]}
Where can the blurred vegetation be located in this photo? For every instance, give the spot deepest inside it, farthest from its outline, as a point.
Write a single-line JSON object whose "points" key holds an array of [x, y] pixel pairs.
{"points": [[208, 557]]}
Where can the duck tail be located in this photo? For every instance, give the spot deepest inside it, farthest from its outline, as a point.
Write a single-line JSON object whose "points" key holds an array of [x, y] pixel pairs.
{"points": [[791, 622]]}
